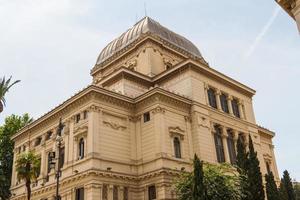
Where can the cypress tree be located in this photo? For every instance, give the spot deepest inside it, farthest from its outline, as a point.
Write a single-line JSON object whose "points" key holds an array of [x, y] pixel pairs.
{"points": [[283, 192], [241, 162], [198, 185], [256, 187], [271, 188], [287, 184]]}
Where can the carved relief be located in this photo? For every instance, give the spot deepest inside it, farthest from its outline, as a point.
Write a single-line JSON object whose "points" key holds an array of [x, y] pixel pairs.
{"points": [[114, 121], [176, 131], [203, 121]]}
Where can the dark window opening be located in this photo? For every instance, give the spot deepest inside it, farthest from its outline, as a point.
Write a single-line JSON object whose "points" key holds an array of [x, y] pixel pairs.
{"points": [[235, 108], [219, 145], [81, 148], [77, 118], [146, 116], [115, 193], [212, 97], [177, 148], [79, 194], [85, 114], [268, 167], [48, 135], [38, 141], [125, 193], [224, 103], [152, 192], [231, 148]]}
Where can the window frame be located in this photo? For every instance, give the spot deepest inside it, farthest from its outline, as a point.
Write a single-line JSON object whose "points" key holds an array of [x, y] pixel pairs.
{"points": [[224, 102], [231, 147], [219, 146], [79, 194], [235, 108], [212, 98], [152, 193], [146, 117], [81, 150], [177, 147]]}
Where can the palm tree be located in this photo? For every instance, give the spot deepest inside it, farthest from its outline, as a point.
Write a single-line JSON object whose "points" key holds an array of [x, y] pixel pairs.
{"points": [[5, 85], [28, 169]]}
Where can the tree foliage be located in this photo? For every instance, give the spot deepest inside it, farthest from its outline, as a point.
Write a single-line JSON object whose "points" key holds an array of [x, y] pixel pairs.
{"points": [[271, 187], [220, 182], [12, 124], [297, 191], [5, 85], [198, 176], [242, 168], [286, 187], [28, 169], [256, 188]]}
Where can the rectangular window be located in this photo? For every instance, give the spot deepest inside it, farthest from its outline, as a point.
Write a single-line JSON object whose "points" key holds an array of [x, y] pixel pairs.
{"points": [[146, 117], [212, 98], [85, 114], [231, 148], [152, 192], [115, 193], [48, 135], [224, 103], [38, 141], [125, 193], [235, 108], [219, 145], [79, 194], [77, 118]]}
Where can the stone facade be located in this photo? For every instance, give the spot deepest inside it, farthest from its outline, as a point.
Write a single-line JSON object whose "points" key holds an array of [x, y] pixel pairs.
{"points": [[147, 112], [292, 7]]}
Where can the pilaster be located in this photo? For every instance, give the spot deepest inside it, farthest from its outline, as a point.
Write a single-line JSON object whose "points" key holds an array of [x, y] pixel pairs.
{"points": [[225, 144]]}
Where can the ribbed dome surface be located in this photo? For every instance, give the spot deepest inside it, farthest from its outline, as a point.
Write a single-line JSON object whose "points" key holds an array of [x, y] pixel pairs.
{"points": [[144, 26]]}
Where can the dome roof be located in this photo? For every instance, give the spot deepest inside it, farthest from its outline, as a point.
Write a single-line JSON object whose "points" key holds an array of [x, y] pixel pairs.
{"points": [[146, 26]]}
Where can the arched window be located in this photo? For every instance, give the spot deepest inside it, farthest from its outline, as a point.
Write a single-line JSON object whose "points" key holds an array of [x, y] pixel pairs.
{"points": [[152, 192], [235, 108], [219, 145], [81, 148], [224, 104], [231, 148], [212, 97], [177, 148]]}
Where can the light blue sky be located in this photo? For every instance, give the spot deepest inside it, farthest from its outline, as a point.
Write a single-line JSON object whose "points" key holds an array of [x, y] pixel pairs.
{"points": [[52, 45]]}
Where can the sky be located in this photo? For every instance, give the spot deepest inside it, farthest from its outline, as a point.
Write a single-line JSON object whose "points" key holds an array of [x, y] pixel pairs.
{"points": [[51, 47]]}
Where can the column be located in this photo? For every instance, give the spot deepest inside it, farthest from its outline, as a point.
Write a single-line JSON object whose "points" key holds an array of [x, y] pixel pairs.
{"points": [[225, 145], [120, 193], [235, 139], [13, 176], [218, 93], [229, 99], [138, 137], [92, 191], [189, 136], [206, 95], [241, 110], [110, 192]]}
